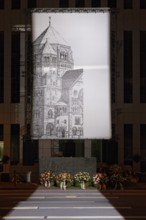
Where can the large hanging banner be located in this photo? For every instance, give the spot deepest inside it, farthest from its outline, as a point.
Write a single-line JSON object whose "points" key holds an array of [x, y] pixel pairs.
{"points": [[71, 74]]}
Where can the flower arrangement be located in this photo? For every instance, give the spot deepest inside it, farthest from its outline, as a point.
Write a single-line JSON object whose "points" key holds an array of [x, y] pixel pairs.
{"points": [[82, 176], [100, 178], [64, 177], [117, 178], [46, 178], [82, 179], [117, 181]]}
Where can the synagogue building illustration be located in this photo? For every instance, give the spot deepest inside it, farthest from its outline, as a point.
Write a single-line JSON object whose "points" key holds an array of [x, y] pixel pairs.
{"points": [[57, 88]]}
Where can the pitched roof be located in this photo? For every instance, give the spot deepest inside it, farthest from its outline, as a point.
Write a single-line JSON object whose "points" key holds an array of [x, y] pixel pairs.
{"points": [[52, 35], [68, 80], [70, 77]]}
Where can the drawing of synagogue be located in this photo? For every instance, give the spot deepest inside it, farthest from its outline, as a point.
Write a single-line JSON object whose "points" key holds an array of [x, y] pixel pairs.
{"points": [[57, 89]]}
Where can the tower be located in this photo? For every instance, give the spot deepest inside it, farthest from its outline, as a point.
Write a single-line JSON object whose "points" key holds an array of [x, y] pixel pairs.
{"points": [[52, 58]]}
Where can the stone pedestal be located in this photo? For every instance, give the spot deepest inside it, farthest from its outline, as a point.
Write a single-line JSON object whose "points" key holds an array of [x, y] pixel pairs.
{"points": [[68, 164]]}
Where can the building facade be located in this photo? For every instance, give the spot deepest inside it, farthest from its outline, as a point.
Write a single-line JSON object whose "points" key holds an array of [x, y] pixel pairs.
{"points": [[128, 87], [58, 91]]}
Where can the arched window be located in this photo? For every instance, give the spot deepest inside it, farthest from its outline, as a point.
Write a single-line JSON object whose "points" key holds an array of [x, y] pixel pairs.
{"points": [[63, 56], [50, 113]]}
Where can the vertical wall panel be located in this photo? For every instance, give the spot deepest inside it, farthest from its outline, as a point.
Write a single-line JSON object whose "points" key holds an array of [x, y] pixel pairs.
{"points": [[128, 67], [14, 151], [15, 67], [1, 66], [142, 66]]}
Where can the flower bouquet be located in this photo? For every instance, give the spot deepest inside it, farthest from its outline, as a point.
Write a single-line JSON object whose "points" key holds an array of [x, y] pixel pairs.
{"points": [[100, 180], [116, 180], [83, 179], [64, 180], [47, 178]]}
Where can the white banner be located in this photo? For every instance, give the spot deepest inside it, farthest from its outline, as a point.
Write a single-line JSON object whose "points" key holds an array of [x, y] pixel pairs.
{"points": [[71, 78]]}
